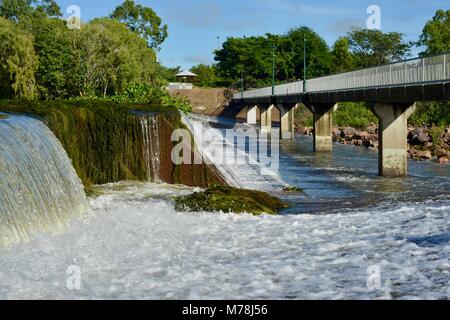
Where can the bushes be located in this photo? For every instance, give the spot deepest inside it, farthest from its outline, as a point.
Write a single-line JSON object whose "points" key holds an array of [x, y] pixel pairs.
{"points": [[355, 115], [151, 94], [431, 113]]}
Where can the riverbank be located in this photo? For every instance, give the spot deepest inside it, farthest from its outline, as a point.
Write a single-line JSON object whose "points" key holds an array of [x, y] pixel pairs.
{"points": [[424, 143]]}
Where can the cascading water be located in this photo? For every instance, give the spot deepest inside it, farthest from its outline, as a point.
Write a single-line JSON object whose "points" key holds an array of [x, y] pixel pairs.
{"points": [[39, 188], [151, 147]]}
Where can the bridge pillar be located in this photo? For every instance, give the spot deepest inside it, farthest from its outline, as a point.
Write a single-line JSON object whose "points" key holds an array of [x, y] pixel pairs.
{"points": [[287, 124], [266, 119], [323, 125], [393, 119], [252, 115]]}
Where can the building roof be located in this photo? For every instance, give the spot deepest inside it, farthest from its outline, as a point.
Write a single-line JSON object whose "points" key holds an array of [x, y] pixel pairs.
{"points": [[186, 74]]}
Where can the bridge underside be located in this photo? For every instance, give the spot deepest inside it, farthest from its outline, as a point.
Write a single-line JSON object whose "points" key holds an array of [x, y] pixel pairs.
{"points": [[393, 105]]}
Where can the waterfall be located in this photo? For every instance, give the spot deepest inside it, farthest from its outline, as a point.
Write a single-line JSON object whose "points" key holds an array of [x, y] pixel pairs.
{"points": [[151, 147], [39, 188], [246, 175]]}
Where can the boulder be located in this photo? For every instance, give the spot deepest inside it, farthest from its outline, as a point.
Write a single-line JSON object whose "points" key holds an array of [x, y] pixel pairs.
{"points": [[443, 160], [337, 132], [348, 133], [441, 152], [372, 129], [419, 137], [425, 155], [362, 135]]}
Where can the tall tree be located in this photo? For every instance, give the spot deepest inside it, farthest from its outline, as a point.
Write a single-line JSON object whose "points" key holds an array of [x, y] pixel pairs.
{"points": [[114, 58], [374, 48], [341, 56], [318, 59], [436, 33], [56, 47], [16, 9], [142, 20], [18, 62], [253, 58]]}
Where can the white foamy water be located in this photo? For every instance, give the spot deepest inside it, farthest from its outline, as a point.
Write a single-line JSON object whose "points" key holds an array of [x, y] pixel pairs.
{"points": [[250, 174], [39, 188], [135, 246]]}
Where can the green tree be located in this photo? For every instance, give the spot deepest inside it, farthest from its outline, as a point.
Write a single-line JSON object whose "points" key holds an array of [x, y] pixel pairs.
{"points": [[253, 58], [56, 47], [166, 74], [318, 58], [18, 62], [374, 48], [436, 34], [341, 57], [142, 20], [114, 58], [17, 9], [206, 75]]}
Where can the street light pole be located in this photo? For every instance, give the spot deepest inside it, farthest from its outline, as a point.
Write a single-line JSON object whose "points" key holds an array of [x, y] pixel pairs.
{"points": [[273, 71], [242, 83], [304, 65]]}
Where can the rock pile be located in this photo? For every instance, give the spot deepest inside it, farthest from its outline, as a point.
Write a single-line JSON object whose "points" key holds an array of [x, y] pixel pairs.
{"points": [[423, 143]]}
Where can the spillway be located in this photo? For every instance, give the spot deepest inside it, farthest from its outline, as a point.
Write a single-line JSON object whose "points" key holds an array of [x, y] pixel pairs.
{"points": [[39, 188]]}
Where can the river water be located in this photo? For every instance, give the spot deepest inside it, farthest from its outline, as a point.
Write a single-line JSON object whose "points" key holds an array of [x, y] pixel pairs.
{"points": [[350, 235]]}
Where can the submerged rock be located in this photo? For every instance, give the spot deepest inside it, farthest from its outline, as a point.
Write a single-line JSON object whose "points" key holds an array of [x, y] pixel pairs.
{"points": [[228, 199], [293, 189]]}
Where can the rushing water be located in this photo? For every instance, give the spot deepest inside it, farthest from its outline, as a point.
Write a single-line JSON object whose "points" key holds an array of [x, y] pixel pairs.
{"points": [[39, 189], [348, 225], [151, 147]]}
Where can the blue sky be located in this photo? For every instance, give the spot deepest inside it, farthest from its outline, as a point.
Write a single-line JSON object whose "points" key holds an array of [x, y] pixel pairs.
{"points": [[194, 25]]}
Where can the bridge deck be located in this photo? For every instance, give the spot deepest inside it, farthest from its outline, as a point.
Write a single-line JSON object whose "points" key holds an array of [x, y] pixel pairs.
{"points": [[423, 79]]}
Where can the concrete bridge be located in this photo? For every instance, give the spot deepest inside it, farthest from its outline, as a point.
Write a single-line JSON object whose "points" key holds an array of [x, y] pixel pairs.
{"points": [[391, 91]]}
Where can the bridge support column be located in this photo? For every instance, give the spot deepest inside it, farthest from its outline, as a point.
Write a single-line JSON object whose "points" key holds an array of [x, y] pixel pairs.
{"points": [[393, 119], [323, 125], [266, 119], [287, 125], [252, 115]]}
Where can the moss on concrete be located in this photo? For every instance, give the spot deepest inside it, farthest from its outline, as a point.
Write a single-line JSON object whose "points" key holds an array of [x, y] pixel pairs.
{"points": [[104, 140], [227, 199]]}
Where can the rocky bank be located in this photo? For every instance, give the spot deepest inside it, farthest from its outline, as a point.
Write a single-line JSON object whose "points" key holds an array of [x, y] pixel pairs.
{"points": [[424, 143]]}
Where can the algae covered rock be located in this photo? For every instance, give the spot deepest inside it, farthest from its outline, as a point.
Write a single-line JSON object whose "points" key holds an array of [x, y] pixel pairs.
{"points": [[293, 189], [228, 199]]}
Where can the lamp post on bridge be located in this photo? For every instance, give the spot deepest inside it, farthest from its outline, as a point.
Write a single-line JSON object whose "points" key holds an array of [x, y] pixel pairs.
{"points": [[242, 83], [273, 70], [304, 65]]}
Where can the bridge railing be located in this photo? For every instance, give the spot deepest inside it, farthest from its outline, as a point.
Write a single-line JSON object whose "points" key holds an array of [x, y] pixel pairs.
{"points": [[414, 71]]}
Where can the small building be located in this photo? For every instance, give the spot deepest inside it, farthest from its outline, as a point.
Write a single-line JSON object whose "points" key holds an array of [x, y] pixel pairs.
{"points": [[185, 80], [186, 77]]}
